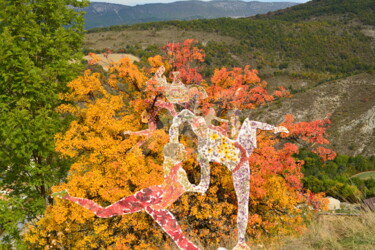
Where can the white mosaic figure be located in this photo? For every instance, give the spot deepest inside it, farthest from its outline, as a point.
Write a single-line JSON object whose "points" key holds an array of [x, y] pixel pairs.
{"points": [[214, 146]]}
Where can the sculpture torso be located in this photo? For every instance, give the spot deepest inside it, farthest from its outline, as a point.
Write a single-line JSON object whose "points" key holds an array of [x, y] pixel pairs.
{"points": [[219, 148]]}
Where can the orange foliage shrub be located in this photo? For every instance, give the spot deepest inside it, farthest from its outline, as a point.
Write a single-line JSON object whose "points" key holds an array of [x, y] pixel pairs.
{"points": [[107, 166]]}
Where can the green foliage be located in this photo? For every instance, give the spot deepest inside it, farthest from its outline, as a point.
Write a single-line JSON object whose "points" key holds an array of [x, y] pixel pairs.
{"points": [[319, 46], [364, 10], [218, 54], [335, 177], [39, 54]]}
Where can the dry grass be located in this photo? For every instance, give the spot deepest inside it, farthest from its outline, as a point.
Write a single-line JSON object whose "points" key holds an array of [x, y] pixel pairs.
{"points": [[326, 232], [119, 39], [337, 232]]}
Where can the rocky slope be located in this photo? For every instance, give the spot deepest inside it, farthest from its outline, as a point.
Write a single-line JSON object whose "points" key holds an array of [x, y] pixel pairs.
{"points": [[350, 102]]}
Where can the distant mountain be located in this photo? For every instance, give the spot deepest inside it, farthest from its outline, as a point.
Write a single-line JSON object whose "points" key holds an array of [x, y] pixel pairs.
{"points": [[106, 14]]}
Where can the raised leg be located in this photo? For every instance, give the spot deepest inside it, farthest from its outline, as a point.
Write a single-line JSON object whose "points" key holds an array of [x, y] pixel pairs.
{"points": [[241, 181], [130, 204], [169, 224]]}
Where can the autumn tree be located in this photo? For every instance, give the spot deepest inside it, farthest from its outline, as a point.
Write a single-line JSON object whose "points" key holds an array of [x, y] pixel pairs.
{"points": [[109, 165], [186, 58], [39, 54]]}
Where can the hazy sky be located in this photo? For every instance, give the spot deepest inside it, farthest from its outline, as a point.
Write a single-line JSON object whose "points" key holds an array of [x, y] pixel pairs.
{"points": [[135, 2]]}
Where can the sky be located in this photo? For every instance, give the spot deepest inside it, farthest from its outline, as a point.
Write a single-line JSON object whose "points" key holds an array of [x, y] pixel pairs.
{"points": [[135, 2]]}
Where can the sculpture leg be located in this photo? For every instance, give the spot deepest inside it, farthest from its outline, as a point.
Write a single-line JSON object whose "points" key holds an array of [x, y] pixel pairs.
{"points": [[130, 204], [169, 224], [241, 182]]}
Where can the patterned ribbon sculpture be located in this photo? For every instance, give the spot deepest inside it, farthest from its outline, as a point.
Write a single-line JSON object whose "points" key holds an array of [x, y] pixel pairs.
{"points": [[155, 199], [214, 146]]}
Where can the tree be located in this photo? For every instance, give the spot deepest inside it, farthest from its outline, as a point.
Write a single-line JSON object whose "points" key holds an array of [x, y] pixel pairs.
{"points": [[185, 57], [109, 164], [40, 52]]}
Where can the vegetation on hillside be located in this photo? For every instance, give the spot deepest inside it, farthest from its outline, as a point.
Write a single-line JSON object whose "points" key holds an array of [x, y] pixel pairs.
{"points": [[335, 177], [318, 46], [346, 10]]}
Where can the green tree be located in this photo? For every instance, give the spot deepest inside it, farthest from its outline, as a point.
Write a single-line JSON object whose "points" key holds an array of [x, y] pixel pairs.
{"points": [[40, 53]]}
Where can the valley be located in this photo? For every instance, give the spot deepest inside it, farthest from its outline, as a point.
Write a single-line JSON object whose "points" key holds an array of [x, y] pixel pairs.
{"points": [[327, 65]]}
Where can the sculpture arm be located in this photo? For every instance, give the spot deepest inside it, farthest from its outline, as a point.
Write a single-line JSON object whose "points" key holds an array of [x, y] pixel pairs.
{"points": [[147, 132], [261, 125], [281, 129], [265, 126], [142, 132], [220, 120]]}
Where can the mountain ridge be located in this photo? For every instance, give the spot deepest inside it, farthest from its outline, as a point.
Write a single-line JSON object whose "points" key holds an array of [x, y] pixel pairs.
{"points": [[100, 14]]}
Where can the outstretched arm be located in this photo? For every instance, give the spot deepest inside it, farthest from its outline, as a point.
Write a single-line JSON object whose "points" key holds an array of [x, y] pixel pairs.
{"points": [[265, 126], [280, 129], [166, 105], [260, 125], [220, 120]]}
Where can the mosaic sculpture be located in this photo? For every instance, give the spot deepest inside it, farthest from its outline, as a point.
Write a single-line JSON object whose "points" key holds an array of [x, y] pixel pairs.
{"points": [[214, 145]]}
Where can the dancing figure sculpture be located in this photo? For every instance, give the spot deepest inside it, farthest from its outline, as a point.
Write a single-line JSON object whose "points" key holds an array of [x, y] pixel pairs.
{"points": [[214, 146]]}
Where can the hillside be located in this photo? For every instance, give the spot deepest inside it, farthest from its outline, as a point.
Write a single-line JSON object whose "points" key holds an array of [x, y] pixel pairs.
{"points": [[105, 14], [350, 102], [345, 10], [328, 64], [318, 46]]}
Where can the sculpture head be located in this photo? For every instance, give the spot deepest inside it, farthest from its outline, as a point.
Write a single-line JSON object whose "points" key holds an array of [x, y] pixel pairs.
{"points": [[176, 78], [160, 71]]}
